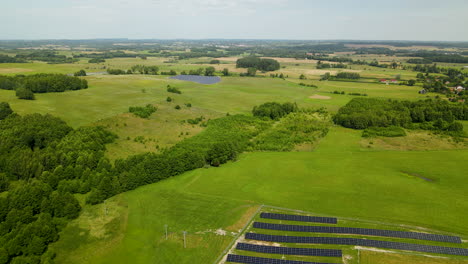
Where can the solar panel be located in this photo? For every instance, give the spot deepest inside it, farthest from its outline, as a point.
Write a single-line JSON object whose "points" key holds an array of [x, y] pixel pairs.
{"points": [[258, 260], [300, 218], [358, 231], [290, 251], [197, 79], [359, 242]]}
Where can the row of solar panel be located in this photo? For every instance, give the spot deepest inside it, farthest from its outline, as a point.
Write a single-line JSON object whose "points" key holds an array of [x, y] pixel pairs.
{"points": [[358, 231], [290, 251], [257, 260], [359, 242], [301, 218]]}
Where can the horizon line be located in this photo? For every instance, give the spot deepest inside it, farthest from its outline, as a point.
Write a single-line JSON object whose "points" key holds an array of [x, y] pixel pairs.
{"points": [[227, 39]]}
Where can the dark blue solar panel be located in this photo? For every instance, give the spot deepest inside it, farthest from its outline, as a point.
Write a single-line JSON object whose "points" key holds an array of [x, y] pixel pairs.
{"points": [[301, 218], [198, 79], [290, 251], [257, 260], [359, 242], [358, 231]]}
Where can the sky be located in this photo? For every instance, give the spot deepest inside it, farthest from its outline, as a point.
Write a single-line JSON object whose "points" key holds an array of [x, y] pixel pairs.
{"points": [[236, 19]]}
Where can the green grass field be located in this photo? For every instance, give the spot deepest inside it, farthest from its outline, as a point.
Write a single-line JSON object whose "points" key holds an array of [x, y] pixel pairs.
{"points": [[341, 177], [338, 179]]}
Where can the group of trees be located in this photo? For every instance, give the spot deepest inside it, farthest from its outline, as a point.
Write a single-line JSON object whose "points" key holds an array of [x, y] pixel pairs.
{"points": [[321, 65], [208, 71], [26, 86], [8, 59], [258, 63], [348, 75], [101, 56], [419, 61], [354, 93], [341, 75], [117, 71], [96, 60], [437, 57], [48, 56], [142, 111], [361, 113], [49, 161], [80, 73], [172, 89], [142, 69], [251, 72], [274, 110]]}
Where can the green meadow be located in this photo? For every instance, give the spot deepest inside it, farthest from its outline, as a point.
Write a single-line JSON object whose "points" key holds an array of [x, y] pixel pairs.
{"points": [[343, 175], [337, 179]]}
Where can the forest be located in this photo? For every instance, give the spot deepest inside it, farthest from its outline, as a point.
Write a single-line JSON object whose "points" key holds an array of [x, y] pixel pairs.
{"points": [[9, 59], [47, 161], [441, 115], [43, 83], [258, 63]]}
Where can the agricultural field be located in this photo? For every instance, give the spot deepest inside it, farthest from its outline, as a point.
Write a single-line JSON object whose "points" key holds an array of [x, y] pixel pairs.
{"points": [[413, 182]]}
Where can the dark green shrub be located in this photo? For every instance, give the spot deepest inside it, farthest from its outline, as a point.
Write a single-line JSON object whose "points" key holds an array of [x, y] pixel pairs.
{"points": [[23, 93], [143, 112]]}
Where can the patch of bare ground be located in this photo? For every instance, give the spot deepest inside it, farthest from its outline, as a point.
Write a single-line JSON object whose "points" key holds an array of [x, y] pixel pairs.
{"points": [[320, 97]]}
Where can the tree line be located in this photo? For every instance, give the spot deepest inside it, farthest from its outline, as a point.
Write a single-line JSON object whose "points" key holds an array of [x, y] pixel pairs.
{"points": [[321, 65], [49, 56], [438, 57], [258, 63], [26, 86], [361, 113], [9, 59]]}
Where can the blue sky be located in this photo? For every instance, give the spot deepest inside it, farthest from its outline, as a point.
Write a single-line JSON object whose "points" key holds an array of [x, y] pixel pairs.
{"points": [[240, 19]]}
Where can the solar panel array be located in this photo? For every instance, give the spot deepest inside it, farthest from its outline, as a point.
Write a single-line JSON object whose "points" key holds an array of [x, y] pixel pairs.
{"points": [[301, 218], [358, 231], [197, 79], [290, 251], [359, 242], [257, 260]]}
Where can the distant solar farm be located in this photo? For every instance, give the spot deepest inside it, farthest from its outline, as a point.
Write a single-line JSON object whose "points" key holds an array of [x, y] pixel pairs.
{"points": [[197, 78]]}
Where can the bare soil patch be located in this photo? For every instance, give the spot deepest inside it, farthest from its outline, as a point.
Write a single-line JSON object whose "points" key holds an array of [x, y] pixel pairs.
{"points": [[320, 97]]}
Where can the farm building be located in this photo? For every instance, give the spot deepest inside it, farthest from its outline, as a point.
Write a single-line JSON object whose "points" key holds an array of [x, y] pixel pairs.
{"points": [[460, 88], [423, 91]]}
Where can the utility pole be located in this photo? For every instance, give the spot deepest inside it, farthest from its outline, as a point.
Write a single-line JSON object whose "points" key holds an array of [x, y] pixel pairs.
{"points": [[165, 226], [185, 232]]}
